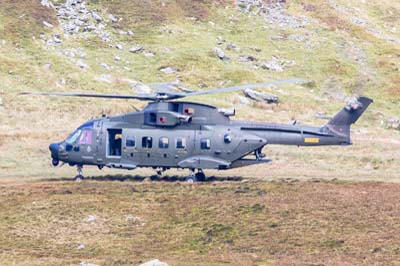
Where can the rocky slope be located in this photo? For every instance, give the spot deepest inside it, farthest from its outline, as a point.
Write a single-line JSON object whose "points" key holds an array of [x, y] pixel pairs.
{"points": [[341, 48]]}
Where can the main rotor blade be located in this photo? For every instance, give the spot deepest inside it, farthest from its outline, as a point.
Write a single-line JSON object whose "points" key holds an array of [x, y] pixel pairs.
{"points": [[243, 87], [146, 97]]}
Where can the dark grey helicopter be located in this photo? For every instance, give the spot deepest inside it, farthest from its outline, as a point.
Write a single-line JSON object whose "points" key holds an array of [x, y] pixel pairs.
{"points": [[179, 134]]}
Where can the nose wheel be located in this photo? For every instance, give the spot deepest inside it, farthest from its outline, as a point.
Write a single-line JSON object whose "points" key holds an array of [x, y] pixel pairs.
{"points": [[55, 162], [79, 177]]}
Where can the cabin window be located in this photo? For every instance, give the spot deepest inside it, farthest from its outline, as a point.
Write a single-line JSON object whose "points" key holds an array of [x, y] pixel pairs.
{"points": [[130, 141], [86, 137], [227, 138], [163, 143], [205, 144], [147, 142], [153, 118], [114, 142], [181, 143]]}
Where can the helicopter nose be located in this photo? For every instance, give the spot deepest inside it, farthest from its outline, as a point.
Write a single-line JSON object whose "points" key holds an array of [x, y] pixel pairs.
{"points": [[54, 148]]}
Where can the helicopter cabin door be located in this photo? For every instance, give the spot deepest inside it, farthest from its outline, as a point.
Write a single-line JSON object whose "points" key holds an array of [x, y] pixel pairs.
{"points": [[114, 144]]}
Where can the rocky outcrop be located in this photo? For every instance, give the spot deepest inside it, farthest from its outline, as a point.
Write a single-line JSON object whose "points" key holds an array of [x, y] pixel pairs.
{"points": [[260, 97], [274, 13], [155, 262]]}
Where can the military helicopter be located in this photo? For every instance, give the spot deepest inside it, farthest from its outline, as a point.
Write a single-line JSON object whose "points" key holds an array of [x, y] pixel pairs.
{"points": [[188, 135]]}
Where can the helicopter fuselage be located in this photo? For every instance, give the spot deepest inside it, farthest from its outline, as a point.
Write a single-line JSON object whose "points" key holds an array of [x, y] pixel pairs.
{"points": [[184, 135]]}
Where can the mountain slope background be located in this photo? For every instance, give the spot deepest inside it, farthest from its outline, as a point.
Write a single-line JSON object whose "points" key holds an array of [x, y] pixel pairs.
{"points": [[341, 48], [319, 206]]}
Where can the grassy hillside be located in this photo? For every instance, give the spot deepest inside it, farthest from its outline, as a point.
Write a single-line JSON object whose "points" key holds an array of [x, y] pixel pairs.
{"points": [[337, 54]]}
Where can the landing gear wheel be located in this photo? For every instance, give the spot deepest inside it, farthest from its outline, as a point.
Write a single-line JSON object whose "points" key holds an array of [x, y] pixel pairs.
{"points": [[79, 178], [191, 179], [200, 176], [55, 162]]}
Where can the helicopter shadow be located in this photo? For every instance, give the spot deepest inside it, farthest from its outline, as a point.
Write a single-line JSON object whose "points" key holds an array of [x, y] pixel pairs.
{"points": [[152, 178]]}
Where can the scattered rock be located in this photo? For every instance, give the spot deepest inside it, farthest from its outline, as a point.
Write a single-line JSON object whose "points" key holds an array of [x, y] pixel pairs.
{"points": [[107, 78], [81, 246], [60, 83], [131, 218], [393, 123], [274, 13], [140, 88], [56, 38], [243, 100], [168, 70], [149, 53], [247, 58], [47, 24], [277, 38], [74, 17], [112, 18], [155, 262], [322, 115], [47, 3], [47, 67], [130, 33], [260, 97], [87, 264], [358, 21], [136, 49], [277, 65], [81, 64], [104, 65], [119, 46], [91, 218], [220, 40], [272, 65], [309, 8], [297, 37], [97, 17], [232, 46], [220, 54], [117, 58]]}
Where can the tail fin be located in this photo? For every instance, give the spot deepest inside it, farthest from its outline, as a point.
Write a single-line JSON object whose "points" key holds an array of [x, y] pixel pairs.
{"points": [[342, 121]]}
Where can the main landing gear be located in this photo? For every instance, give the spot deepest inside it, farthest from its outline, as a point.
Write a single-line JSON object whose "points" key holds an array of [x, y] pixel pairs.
{"points": [[79, 177], [194, 177]]}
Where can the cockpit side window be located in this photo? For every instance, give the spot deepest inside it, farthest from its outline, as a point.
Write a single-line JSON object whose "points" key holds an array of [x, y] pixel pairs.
{"points": [[73, 137], [86, 137]]}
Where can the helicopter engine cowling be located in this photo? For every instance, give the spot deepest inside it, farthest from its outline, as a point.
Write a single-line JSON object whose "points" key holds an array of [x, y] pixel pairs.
{"points": [[166, 118]]}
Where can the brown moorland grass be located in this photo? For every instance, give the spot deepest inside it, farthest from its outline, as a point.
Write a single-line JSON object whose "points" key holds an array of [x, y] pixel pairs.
{"points": [[218, 223]]}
